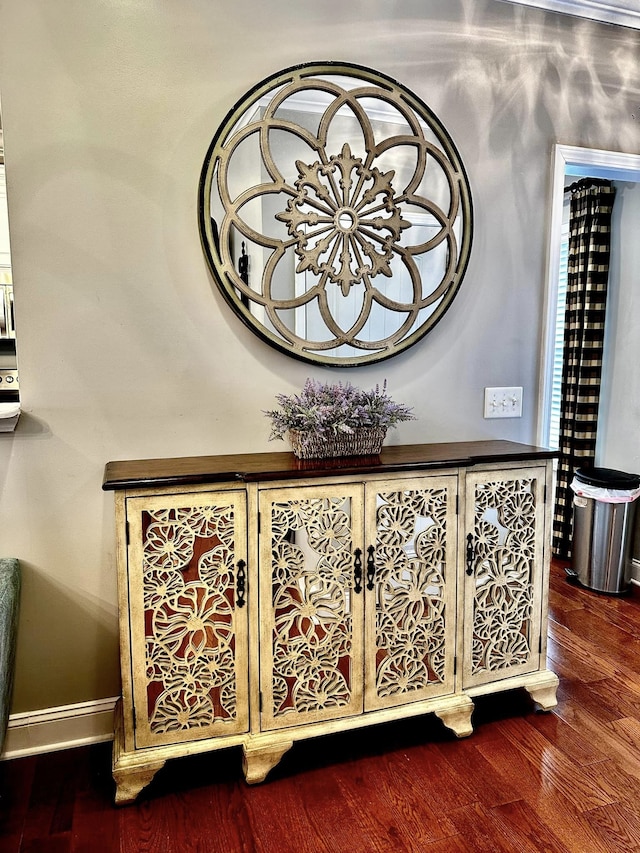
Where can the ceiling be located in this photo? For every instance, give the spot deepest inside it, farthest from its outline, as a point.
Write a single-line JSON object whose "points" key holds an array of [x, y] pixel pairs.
{"points": [[625, 13]]}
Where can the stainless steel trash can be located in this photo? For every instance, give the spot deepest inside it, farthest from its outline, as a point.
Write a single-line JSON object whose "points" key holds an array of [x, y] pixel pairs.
{"points": [[604, 504]]}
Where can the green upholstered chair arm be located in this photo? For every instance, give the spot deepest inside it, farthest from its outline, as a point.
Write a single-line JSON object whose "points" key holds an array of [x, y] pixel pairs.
{"points": [[9, 601]]}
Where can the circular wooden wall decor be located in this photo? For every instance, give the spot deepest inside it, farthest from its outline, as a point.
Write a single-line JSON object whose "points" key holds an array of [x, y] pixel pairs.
{"points": [[335, 214]]}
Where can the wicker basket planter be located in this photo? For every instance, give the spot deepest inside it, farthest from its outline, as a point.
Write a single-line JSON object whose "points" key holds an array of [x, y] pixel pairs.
{"points": [[365, 441]]}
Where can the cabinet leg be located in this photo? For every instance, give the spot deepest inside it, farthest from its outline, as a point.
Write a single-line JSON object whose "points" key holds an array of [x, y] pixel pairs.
{"points": [[543, 690], [131, 780], [129, 776], [259, 757], [458, 717]]}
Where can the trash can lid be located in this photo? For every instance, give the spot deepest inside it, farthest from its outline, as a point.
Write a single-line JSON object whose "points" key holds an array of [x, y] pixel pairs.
{"points": [[608, 478]]}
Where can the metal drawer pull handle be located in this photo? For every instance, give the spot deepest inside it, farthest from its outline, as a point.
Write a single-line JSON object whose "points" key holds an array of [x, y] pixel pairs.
{"points": [[371, 567], [357, 570], [241, 583], [470, 554]]}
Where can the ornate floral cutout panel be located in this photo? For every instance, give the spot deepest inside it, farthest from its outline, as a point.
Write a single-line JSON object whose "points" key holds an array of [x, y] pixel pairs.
{"points": [[311, 571], [412, 579], [335, 214], [188, 617], [507, 523]]}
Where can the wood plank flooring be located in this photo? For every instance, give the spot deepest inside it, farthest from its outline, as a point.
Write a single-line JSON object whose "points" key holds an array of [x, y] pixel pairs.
{"points": [[563, 782]]}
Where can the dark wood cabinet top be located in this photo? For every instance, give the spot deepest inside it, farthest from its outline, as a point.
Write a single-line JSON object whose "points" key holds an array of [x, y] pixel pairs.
{"points": [[252, 467]]}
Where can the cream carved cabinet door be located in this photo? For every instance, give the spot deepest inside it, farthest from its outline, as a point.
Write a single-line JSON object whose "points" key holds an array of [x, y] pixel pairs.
{"points": [[311, 604], [505, 595], [357, 599], [411, 582], [187, 678]]}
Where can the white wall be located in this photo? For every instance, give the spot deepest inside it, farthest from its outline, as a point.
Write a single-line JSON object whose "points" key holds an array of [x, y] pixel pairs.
{"points": [[618, 444], [619, 414], [126, 350]]}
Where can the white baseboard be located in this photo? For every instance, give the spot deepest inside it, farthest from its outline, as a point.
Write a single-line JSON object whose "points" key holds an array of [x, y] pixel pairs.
{"points": [[64, 727]]}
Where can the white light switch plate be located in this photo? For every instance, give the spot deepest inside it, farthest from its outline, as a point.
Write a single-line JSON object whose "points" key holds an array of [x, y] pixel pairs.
{"points": [[503, 402]]}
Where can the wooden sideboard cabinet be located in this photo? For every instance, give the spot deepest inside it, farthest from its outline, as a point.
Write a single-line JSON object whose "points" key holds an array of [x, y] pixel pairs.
{"points": [[264, 599]]}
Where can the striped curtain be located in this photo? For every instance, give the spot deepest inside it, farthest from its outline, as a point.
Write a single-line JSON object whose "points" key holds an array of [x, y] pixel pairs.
{"points": [[587, 276]]}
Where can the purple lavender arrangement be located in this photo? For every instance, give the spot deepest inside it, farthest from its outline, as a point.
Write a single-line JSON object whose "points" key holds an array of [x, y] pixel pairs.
{"points": [[323, 411]]}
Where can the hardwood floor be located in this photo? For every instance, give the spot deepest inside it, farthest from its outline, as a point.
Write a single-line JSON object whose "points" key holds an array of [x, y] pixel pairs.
{"points": [[525, 781]]}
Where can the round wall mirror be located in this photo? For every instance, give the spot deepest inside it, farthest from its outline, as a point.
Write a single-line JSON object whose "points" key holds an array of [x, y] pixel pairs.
{"points": [[335, 214]]}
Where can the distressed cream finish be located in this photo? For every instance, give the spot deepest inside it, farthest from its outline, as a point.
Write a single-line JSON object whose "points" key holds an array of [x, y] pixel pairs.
{"points": [[265, 611]]}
